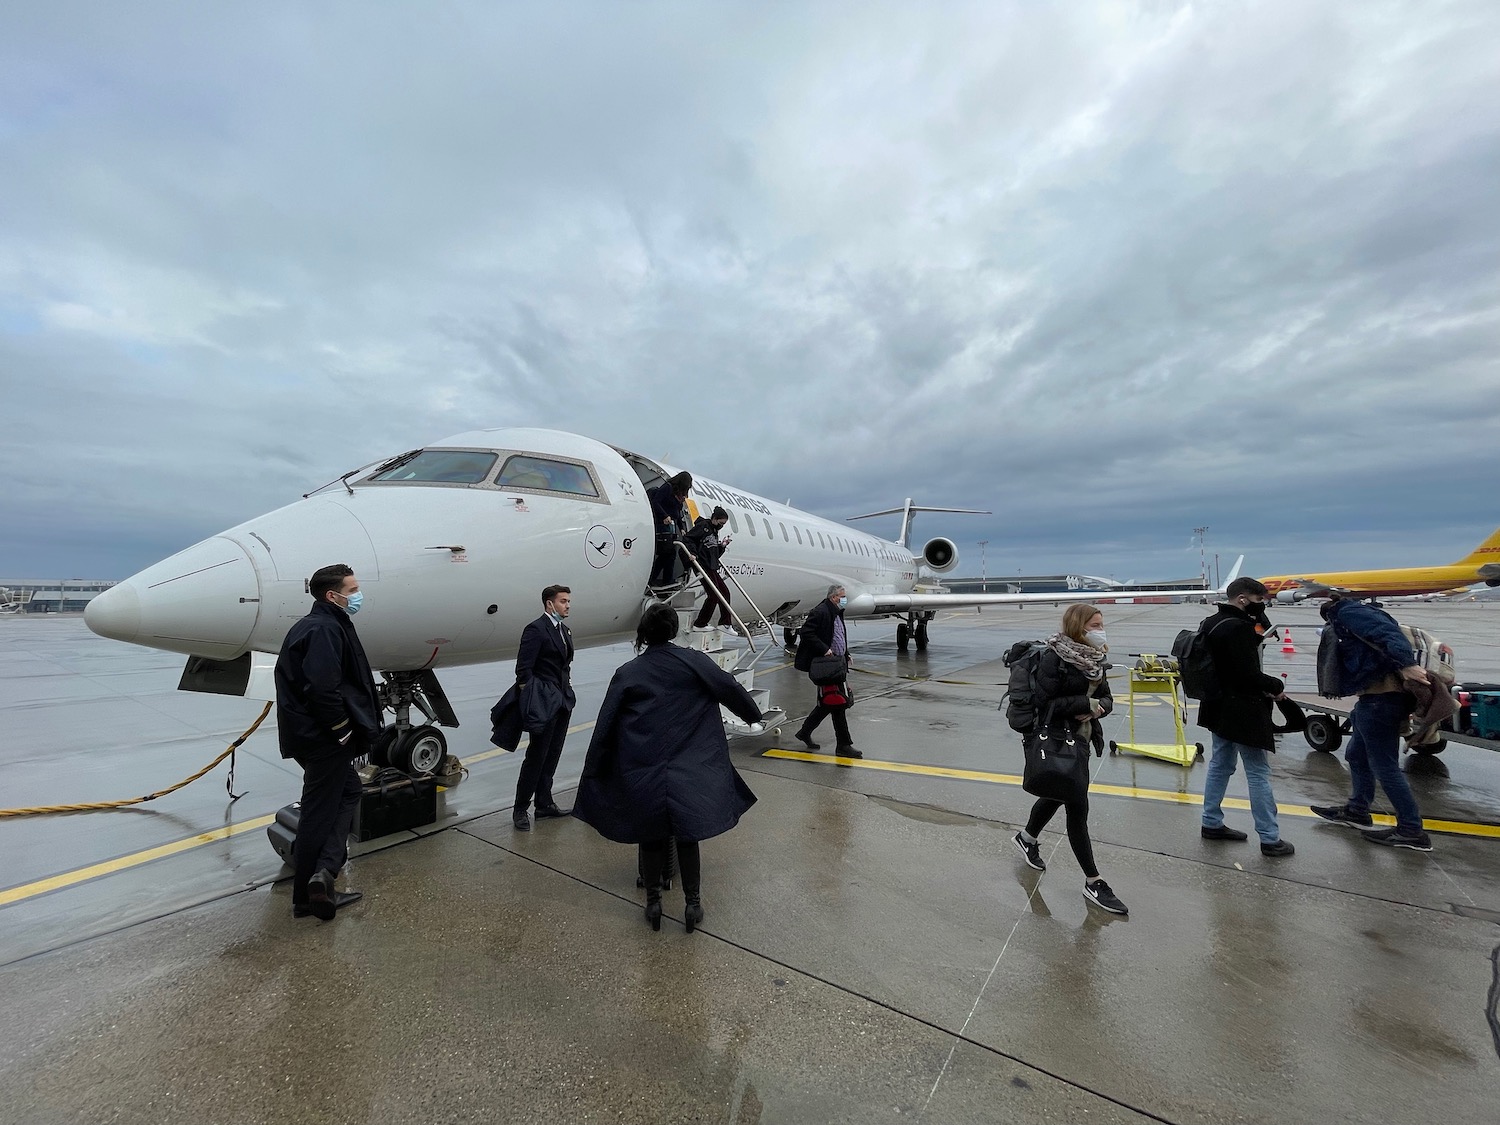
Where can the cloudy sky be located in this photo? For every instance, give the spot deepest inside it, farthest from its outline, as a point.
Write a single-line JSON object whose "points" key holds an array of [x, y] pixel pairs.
{"points": [[1114, 271]]}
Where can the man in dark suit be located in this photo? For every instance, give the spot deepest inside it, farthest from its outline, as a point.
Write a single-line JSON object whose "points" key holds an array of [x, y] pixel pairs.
{"points": [[543, 673], [821, 634], [328, 714]]}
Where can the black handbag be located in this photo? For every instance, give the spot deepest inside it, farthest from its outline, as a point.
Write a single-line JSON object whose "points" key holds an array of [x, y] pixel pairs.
{"points": [[1057, 764], [830, 668]]}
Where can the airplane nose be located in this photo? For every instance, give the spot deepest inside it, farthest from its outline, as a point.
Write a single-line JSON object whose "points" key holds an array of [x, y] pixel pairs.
{"points": [[202, 601]]}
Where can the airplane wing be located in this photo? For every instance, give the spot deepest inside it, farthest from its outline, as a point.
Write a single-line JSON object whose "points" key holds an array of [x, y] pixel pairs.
{"points": [[868, 605]]}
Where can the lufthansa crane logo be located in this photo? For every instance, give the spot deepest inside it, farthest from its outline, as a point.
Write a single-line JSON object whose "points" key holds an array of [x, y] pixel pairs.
{"points": [[599, 546]]}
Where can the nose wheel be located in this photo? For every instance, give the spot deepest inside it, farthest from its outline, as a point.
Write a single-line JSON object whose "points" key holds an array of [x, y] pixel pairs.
{"points": [[420, 750]]}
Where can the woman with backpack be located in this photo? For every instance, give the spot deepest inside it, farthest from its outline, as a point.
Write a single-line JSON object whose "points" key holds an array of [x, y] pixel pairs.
{"points": [[1072, 696]]}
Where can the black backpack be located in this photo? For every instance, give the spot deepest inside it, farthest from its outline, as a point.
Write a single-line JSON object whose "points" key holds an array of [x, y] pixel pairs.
{"points": [[1195, 664], [1022, 694]]}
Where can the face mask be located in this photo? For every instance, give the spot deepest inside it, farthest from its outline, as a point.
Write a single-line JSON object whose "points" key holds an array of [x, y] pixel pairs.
{"points": [[844, 603], [1095, 637], [353, 601]]}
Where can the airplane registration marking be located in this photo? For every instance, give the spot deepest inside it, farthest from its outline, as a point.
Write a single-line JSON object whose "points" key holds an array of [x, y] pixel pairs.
{"points": [[1452, 827]]}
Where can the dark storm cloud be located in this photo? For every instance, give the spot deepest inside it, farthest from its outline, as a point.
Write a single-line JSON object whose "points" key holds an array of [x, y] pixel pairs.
{"points": [[1113, 272]]}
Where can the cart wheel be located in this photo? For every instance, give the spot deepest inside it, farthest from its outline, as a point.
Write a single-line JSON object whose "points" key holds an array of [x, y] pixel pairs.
{"points": [[1114, 747], [1323, 733], [1435, 747], [1199, 755]]}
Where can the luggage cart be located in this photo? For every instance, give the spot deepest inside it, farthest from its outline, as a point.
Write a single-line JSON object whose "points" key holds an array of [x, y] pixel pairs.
{"points": [[1158, 676]]}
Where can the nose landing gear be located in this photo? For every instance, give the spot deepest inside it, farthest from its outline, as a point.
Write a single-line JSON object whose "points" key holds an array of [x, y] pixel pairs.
{"points": [[413, 749]]}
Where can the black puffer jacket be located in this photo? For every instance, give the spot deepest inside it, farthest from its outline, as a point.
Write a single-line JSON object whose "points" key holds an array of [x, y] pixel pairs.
{"points": [[1065, 695]]}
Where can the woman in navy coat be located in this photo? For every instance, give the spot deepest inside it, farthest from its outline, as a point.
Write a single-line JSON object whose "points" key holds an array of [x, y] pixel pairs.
{"points": [[658, 766]]}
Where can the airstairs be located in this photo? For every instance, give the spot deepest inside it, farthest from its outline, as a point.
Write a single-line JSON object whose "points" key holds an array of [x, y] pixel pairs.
{"points": [[686, 598]]}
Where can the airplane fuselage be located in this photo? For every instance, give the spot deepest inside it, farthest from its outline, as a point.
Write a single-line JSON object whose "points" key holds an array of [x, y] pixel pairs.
{"points": [[453, 569], [1378, 583]]}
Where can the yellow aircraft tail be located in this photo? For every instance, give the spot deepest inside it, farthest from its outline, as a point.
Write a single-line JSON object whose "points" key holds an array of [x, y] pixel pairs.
{"points": [[1486, 552]]}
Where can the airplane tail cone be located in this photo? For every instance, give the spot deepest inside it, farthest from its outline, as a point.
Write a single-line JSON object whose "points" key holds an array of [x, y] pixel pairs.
{"points": [[1286, 641]]}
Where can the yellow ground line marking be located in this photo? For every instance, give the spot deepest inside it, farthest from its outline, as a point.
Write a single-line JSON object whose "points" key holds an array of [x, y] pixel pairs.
{"points": [[1453, 827], [110, 866]]}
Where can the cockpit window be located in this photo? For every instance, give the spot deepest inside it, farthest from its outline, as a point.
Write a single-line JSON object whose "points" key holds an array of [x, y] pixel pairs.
{"points": [[545, 474], [442, 466]]}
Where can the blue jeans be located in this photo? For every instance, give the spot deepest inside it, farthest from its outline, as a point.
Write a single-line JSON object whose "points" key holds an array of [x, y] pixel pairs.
{"points": [[1374, 754], [1257, 777]]}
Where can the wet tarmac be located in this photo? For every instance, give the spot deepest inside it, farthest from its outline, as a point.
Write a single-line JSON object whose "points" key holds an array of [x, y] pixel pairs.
{"points": [[874, 949]]}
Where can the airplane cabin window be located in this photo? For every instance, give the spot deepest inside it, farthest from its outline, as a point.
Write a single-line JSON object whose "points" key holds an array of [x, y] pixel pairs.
{"points": [[524, 471], [442, 466], [821, 541], [734, 526], [750, 524], [769, 533], [784, 535], [798, 530]]}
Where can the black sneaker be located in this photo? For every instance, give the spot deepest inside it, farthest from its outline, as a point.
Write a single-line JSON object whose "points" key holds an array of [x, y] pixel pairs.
{"points": [[1395, 838], [1277, 849], [1100, 895], [1032, 852], [1222, 832], [1341, 814]]}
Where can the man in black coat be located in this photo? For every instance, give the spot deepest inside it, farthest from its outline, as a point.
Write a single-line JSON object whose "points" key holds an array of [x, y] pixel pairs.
{"points": [[670, 514], [708, 548], [328, 714], [1240, 715], [544, 676], [821, 634]]}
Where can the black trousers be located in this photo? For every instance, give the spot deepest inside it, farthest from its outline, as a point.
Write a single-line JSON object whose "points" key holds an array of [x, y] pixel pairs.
{"points": [[330, 796], [840, 722], [1078, 828], [654, 859], [717, 594], [667, 566], [542, 755]]}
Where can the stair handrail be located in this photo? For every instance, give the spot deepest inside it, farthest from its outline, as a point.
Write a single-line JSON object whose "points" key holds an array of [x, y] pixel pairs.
{"points": [[735, 617]]}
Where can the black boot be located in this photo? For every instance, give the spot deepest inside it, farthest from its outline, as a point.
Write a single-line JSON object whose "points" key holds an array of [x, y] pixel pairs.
{"points": [[653, 906], [692, 913]]}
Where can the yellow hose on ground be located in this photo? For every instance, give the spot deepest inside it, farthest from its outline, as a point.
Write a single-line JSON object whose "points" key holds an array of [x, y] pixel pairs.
{"points": [[94, 806]]}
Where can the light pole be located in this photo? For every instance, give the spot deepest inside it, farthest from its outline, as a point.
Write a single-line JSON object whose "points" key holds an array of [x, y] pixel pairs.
{"points": [[1200, 532], [984, 572]]}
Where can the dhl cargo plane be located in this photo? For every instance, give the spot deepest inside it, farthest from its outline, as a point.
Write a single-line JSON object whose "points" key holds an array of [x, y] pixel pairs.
{"points": [[1480, 565]]}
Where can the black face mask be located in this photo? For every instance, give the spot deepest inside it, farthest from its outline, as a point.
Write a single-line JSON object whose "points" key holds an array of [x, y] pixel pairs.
{"points": [[1257, 612]]}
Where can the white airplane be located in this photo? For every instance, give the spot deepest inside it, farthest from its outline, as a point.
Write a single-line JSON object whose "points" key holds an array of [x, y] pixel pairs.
{"points": [[452, 544]]}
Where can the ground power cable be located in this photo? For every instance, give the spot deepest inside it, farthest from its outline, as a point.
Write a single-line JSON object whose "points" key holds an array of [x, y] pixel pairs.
{"points": [[98, 806]]}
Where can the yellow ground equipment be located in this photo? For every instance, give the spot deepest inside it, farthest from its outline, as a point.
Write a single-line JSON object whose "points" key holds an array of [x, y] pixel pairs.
{"points": [[1157, 676]]}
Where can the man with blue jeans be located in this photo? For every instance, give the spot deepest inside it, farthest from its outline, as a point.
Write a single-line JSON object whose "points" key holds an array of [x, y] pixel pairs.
{"points": [[1239, 716], [1375, 662]]}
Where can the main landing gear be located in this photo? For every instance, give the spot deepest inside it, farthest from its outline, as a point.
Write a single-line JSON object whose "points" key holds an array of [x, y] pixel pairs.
{"points": [[914, 628], [413, 749]]}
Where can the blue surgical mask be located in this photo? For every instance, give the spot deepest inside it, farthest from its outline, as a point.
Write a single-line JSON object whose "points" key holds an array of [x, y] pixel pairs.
{"points": [[1095, 638], [353, 601], [844, 602]]}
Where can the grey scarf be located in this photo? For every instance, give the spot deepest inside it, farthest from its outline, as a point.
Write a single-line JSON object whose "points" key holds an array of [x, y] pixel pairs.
{"points": [[1086, 658]]}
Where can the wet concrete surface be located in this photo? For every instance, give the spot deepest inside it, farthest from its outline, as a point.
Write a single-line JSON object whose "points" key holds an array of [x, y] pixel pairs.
{"points": [[874, 949]]}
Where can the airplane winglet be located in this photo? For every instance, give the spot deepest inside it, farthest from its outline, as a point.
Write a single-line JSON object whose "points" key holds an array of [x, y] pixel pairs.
{"points": [[909, 510]]}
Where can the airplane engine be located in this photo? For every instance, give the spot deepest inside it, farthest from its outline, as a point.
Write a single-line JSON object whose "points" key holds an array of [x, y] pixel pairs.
{"points": [[940, 555], [1291, 597]]}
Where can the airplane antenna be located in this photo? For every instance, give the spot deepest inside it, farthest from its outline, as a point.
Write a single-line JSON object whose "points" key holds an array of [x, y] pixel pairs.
{"points": [[908, 510]]}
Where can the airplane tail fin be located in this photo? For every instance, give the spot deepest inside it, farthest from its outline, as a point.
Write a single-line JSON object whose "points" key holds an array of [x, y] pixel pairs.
{"points": [[908, 510], [1234, 572], [1486, 552]]}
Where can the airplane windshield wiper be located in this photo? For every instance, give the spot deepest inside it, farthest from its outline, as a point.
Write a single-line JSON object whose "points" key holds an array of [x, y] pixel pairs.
{"points": [[394, 463]]}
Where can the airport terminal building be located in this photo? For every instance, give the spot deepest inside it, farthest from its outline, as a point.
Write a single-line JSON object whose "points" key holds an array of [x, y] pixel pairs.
{"points": [[49, 595]]}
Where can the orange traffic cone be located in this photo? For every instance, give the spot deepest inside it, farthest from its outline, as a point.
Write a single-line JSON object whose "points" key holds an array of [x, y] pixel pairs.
{"points": [[1286, 641]]}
